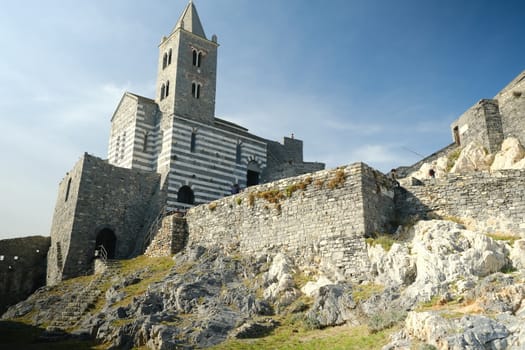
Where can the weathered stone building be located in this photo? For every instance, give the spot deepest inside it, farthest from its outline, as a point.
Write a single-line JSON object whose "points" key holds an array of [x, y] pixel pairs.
{"points": [[168, 153], [490, 121]]}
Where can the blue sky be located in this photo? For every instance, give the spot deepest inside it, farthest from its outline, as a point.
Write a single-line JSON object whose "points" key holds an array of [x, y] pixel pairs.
{"points": [[357, 80]]}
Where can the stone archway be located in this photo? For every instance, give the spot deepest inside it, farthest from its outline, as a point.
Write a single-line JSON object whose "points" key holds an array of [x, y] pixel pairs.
{"points": [[252, 174], [106, 238], [185, 195]]}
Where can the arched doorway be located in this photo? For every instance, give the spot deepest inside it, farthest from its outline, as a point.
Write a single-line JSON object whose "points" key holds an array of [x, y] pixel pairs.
{"points": [[252, 174], [106, 238], [185, 195]]}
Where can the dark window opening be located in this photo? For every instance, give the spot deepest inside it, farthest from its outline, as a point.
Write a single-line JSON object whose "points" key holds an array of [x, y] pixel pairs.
{"points": [[238, 153], [169, 57], [194, 57], [185, 195], [167, 88], [67, 189], [107, 239], [193, 141], [457, 141], [164, 61], [196, 90], [145, 145], [197, 58], [162, 91]]}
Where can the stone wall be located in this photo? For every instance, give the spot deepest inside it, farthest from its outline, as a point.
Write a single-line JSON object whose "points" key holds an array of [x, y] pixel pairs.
{"points": [[171, 237], [481, 123], [404, 171], [313, 216], [286, 160], [489, 202], [512, 107], [101, 197], [22, 268]]}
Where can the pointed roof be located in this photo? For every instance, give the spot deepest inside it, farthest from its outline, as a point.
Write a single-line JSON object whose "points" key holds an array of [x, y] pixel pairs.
{"points": [[189, 21]]}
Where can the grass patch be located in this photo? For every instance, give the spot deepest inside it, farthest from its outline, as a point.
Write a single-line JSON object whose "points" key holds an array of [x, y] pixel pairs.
{"points": [[385, 320], [292, 336], [364, 291], [452, 158], [499, 236], [338, 180], [385, 241], [455, 219]]}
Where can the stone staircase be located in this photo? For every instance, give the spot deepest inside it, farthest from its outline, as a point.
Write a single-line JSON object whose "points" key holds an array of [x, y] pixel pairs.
{"points": [[76, 309]]}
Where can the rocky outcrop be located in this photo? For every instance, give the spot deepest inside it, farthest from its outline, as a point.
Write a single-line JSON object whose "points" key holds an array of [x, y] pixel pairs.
{"points": [[511, 156], [474, 157]]}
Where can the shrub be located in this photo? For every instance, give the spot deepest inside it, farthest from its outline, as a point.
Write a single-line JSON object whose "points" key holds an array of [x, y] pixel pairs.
{"points": [[384, 241], [385, 320], [452, 158]]}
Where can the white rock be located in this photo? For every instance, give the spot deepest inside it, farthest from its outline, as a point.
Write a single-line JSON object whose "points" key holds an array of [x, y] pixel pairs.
{"points": [[517, 254], [511, 153], [311, 288], [395, 267], [439, 165], [473, 157]]}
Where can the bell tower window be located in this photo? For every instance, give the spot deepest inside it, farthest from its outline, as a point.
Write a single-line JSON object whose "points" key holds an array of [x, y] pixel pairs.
{"points": [[197, 58], [162, 91], [164, 60], [196, 90], [167, 88], [169, 57]]}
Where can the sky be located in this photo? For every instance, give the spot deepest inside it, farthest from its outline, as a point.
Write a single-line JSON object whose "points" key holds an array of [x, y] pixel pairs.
{"points": [[377, 81]]}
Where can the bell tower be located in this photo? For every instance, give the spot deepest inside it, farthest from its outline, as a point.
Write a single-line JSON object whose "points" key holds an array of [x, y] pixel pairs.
{"points": [[187, 70]]}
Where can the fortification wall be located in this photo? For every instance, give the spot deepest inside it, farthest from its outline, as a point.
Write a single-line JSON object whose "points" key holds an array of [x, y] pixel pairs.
{"points": [[512, 107], [170, 238], [107, 197], [22, 268], [480, 123], [490, 202], [319, 216]]}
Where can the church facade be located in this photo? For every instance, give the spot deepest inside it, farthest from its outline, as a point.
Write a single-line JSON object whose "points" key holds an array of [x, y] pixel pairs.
{"points": [[167, 153]]}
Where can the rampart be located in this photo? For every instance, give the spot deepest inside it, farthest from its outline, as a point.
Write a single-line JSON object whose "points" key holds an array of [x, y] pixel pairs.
{"points": [[22, 268], [94, 198], [323, 216], [490, 202]]}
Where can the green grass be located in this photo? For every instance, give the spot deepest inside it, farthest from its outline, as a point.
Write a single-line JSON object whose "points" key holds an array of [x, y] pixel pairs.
{"points": [[452, 158], [290, 337], [383, 240], [499, 236], [364, 291]]}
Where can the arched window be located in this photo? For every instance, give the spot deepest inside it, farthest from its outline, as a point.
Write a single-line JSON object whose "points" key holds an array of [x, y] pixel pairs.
{"points": [[164, 60], [194, 57], [68, 188], [167, 88], [169, 57], [185, 195], [238, 152], [196, 90], [162, 91], [197, 58], [193, 141]]}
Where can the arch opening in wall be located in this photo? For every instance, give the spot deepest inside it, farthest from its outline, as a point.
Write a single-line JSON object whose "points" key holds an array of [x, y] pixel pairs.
{"points": [[252, 174], [107, 239], [186, 195]]}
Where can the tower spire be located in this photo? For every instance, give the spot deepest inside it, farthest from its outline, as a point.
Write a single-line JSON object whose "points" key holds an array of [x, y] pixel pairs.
{"points": [[190, 21]]}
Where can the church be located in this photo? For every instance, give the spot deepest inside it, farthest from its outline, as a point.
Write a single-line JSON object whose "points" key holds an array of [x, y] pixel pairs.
{"points": [[165, 154]]}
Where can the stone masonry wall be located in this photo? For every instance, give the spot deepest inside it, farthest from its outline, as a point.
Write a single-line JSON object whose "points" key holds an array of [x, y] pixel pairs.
{"points": [[107, 197], [488, 202], [481, 123], [512, 107], [171, 237], [22, 268], [313, 216]]}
